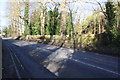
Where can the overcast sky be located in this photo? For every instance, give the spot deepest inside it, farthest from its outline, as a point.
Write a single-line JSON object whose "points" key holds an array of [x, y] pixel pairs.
{"points": [[3, 19], [85, 9]]}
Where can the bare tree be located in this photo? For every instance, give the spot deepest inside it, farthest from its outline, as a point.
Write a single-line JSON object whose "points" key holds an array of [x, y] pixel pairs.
{"points": [[43, 6], [13, 15]]}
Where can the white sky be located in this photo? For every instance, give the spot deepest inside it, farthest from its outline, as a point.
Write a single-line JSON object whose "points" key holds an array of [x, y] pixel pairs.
{"points": [[3, 19]]}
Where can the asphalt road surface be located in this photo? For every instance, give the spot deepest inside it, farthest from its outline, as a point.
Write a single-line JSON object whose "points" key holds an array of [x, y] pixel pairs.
{"points": [[23, 59]]}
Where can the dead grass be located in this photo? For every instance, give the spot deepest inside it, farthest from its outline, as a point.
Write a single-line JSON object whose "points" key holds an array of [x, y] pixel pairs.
{"points": [[87, 43]]}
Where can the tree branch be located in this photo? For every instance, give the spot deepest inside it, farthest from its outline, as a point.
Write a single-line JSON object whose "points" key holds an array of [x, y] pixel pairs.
{"points": [[55, 2], [18, 21], [101, 8]]}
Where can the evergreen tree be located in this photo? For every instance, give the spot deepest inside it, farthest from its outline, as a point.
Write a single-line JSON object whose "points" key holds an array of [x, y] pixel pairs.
{"points": [[110, 12], [56, 21], [53, 22], [35, 22], [68, 24], [26, 19]]}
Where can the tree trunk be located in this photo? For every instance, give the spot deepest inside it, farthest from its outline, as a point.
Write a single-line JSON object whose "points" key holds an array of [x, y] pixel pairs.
{"points": [[42, 17], [63, 19]]}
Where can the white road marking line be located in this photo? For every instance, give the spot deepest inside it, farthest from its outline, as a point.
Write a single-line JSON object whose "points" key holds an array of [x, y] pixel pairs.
{"points": [[97, 60], [99, 56], [95, 66], [18, 60], [17, 72]]}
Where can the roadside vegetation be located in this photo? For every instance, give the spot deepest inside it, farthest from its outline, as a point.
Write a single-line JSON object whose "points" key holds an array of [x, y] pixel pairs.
{"points": [[99, 32]]}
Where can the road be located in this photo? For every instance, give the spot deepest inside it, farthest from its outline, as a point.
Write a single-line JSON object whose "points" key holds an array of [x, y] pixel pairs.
{"points": [[35, 60], [21, 65]]}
